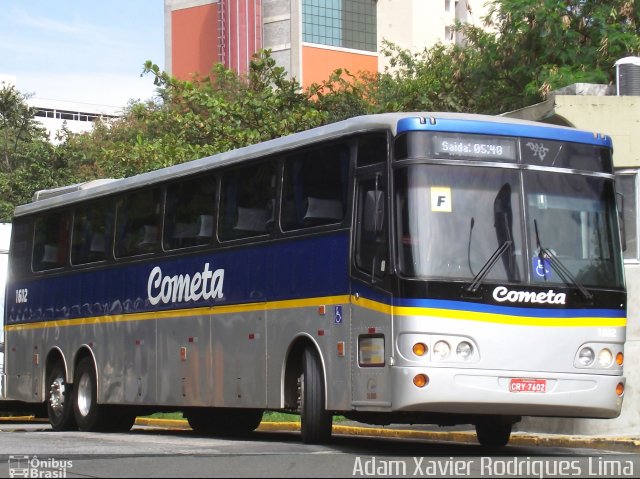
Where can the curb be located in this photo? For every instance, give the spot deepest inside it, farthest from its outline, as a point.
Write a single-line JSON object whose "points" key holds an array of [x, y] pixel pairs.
{"points": [[619, 444]]}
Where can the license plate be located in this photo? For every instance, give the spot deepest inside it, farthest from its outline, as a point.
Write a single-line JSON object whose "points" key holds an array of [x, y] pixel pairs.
{"points": [[528, 385]]}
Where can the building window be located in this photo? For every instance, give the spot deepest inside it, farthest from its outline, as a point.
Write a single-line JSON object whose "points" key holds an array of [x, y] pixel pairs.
{"points": [[627, 188], [340, 23]]}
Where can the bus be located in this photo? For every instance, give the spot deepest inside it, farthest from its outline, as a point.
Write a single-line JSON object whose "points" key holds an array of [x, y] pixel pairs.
{"points": [[402, 268]]}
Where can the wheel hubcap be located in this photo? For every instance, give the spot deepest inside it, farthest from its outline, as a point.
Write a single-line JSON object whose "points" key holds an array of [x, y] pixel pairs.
{"points": [[56, 395], [84, 395]]}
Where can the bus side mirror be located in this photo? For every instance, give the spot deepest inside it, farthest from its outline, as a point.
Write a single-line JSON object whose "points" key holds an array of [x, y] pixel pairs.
{"points": [[623, 230]]}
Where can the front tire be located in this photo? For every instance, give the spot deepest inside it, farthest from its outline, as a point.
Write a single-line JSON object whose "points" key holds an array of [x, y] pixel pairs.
{"points": [[60, 400], [494, 432], [315, 420]]}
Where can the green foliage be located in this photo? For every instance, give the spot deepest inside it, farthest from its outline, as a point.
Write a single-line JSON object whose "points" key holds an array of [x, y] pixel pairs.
{"points": [[526, 49], [193, 119], [28, 161], [531, 47]]}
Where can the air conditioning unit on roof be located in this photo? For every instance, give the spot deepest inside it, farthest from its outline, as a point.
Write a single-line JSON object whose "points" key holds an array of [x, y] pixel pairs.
{"points": [[628, 76]]}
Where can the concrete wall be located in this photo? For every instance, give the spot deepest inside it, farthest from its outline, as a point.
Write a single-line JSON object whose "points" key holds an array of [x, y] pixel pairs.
{"points": [[619, 117]]}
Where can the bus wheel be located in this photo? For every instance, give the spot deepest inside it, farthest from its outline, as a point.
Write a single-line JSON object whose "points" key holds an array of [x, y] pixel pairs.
{"points": [[60, 402], [315, 421], [494, 432], [89, 415], [224, 422]]}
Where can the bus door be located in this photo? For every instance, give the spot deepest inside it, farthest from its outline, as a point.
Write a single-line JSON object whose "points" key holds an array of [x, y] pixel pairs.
{"points": [[371, 321]]}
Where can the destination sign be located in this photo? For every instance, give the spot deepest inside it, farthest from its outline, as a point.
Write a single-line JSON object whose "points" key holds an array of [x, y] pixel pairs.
{"points": [[474, 147]]}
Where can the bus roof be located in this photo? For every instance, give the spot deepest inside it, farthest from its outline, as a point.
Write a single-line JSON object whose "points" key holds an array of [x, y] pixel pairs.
{"points": [[394, 122]]}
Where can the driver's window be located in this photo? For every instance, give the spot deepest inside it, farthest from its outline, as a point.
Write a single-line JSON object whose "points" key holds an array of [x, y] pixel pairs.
{"points": [[372, 248]]}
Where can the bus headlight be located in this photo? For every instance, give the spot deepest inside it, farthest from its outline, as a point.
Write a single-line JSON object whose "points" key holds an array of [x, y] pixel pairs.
{"points": [[586, 356], [605, 358], [464, 350], [441, 350]]}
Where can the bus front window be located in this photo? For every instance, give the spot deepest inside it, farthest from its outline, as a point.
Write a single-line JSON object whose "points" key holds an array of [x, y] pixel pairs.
{"points": [[575, 221], [452, 219]]}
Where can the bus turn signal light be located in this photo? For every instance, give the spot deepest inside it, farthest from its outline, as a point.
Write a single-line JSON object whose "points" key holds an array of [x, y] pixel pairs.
{"points": [[619, 359], [421, 380], [419, 349], [619, 389]]}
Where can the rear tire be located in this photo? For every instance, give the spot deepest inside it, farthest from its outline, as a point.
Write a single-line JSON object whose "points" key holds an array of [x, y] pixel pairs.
{"points": [[315, 420], [60, 400], [494, 432], [89, 415]]}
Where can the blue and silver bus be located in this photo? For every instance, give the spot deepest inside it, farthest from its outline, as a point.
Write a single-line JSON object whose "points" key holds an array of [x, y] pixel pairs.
{"points": [[423, 268]]}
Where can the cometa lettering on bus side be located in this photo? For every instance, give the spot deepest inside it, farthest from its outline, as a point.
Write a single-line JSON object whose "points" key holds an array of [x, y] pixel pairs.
{"points": [[182, 288], [502, 294]]}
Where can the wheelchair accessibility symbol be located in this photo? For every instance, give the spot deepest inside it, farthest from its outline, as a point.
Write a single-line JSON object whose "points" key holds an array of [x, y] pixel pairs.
{"points": [[541, 267], [338, 316]]}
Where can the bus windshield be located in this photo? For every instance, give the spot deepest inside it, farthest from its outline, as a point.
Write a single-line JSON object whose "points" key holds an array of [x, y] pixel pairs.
{"points": [[452, 219], [574, 217]]}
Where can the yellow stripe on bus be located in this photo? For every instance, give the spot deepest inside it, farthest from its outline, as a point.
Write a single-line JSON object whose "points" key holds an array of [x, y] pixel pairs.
{"points": [[180, 313], [510, 319], [329, 301]]}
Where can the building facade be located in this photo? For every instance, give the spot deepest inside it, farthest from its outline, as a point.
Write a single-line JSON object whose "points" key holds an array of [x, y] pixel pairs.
{"points": [[58, 115], [309, 38]]}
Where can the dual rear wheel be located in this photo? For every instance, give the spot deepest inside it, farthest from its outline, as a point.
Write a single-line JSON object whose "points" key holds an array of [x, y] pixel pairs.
{"points": [[71, 407]]}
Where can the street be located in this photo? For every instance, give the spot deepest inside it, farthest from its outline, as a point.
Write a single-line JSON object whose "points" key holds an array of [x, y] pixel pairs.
{"points": [[155, 452]]}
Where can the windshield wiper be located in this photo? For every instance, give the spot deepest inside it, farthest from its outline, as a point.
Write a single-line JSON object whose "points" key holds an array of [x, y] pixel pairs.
{"points": [[561, 269], [484, 271]]}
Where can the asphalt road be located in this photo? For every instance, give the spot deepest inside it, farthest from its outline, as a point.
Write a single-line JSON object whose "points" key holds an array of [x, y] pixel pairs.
{"points": [[37, 451]]}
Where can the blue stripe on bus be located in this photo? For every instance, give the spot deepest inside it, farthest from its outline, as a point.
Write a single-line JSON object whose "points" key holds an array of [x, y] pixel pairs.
{"points": [[504, 129], [253, 274]]}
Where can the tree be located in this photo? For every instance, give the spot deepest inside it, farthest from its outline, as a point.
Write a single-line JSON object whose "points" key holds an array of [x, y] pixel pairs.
{"points": [[17, 125], [197, 118], [28, 161], [525, 49], [531, 47]]}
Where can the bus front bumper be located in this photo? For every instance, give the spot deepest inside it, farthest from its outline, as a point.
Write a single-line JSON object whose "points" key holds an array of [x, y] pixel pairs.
{"points": [[468, 391]]}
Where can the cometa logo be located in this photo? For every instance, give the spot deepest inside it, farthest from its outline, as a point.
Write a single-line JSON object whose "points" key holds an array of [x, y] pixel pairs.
{"points": [[182, 288], [502, 294]]}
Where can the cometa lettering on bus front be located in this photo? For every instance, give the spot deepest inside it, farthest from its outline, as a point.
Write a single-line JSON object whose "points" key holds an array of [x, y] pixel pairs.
{"points": [[502, 294], [182, 288]]}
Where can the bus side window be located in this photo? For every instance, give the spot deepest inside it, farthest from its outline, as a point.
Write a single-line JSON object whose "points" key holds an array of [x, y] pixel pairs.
{"points": [[138, 223], [92, 231], [371, 246], [21, 248], [247, 201], [372, 149], [51, 242], [189, 212], [315, 187]]}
